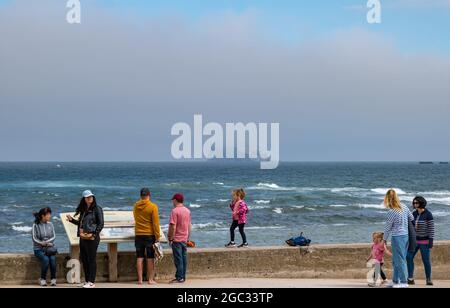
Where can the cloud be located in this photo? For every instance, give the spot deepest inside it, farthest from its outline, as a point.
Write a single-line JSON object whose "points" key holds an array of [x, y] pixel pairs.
{"points": [[112, 87]]}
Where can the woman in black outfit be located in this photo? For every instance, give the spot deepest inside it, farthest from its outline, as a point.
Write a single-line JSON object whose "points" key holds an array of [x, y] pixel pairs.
{"points": [[90, 224]]}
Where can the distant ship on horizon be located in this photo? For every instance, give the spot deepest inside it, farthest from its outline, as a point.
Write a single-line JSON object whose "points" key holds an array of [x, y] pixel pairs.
{"points": [[432, 163]]}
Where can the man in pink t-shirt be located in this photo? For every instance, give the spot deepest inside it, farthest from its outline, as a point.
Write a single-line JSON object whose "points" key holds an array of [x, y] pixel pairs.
{"points": [[179, 232]]}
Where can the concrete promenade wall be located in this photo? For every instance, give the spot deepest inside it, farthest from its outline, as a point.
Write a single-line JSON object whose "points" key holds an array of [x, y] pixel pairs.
{"points": [[318, 261]]}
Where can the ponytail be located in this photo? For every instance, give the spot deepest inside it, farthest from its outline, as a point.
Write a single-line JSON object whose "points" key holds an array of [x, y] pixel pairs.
{"points": [[37, 219]]}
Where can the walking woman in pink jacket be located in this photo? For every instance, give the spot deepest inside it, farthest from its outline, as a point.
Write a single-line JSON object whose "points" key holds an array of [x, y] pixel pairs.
{"points": [[240, 211]]}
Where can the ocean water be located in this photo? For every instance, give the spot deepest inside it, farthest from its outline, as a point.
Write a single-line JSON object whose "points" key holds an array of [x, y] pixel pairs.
{"points": [[329, 202]]}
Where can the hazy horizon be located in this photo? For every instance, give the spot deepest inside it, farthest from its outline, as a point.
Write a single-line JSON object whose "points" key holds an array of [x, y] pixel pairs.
{"points": [[227, 161]]}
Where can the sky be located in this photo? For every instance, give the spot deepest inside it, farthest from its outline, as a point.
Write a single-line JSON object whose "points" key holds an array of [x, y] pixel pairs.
{"points": [[111, 88]]}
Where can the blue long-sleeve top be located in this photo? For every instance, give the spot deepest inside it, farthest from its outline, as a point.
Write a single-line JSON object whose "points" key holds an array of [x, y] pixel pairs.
{"points": [[397, 222]]}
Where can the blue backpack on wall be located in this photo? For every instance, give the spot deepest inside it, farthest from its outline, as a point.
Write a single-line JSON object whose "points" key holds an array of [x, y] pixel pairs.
{"points": [[299, 241]]}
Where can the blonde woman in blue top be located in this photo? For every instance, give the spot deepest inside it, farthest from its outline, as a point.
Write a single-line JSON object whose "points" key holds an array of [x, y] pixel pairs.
{"points": [[397, 227]]}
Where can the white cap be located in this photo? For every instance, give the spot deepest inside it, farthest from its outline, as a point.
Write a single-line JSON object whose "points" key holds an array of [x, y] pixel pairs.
{"points": [[87, 194]]}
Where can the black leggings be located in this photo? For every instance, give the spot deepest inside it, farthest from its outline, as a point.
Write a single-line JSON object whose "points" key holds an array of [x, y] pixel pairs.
{"points": [[233, 227], [382, 274], [88, 255]]}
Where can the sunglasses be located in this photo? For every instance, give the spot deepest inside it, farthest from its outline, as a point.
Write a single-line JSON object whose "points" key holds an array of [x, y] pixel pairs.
{"points": [[415, 202]]}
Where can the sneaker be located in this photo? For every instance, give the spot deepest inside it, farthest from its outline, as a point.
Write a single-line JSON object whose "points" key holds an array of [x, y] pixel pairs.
{"points": [[411, 282], [89, 285], [245, 245], [231, 245], [42, 282], [429, 282], [401, 286], [81, 285], [53, 283], [390, 285], [176, 281]]}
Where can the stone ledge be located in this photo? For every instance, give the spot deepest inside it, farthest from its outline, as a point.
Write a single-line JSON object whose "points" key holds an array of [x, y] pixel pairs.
{"points": [[345, 261]]}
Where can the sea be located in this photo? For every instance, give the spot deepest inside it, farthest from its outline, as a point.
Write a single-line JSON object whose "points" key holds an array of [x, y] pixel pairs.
{"points": [[330, 202]]}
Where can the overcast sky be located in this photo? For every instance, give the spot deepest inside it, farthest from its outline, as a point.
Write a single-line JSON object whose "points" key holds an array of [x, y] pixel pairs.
{"points": [[111, 88]]}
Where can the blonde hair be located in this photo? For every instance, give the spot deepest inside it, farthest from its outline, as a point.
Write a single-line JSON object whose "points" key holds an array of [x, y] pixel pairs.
{"points": [[378, 235], [391, 201], [239, 193]]}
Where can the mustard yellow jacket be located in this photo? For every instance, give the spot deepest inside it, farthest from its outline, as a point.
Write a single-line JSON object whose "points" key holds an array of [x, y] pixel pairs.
{"points": [[146, 219]]}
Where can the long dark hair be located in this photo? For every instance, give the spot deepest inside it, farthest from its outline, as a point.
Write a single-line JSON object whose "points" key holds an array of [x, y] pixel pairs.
{"points": [[83, 207], [42, 212]]}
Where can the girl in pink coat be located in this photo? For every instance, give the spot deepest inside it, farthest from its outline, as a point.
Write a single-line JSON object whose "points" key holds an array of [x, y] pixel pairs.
{"points": [[240, 211]]}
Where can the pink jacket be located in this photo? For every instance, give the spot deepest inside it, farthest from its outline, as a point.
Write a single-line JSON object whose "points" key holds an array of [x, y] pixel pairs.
{"points": [[240, 211]]}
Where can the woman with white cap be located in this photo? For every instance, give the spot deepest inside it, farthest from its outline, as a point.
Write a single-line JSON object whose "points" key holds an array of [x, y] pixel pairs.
{"points": [[90, 224]]}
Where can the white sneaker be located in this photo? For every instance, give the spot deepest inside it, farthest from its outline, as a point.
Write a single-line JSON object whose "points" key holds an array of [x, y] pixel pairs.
{"points": [[53, 282], [42, 283], [401, 286], [390, 285], [81, 285], [89, 285]]}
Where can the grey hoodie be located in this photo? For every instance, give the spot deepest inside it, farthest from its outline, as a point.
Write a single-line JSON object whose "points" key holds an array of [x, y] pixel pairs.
{"points": [[43, 233]]}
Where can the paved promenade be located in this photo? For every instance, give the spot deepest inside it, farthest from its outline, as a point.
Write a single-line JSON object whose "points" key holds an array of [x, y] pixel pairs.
{"points": [[250, 283]]}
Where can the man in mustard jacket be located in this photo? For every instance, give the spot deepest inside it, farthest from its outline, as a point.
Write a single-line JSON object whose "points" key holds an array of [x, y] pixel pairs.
{"points": [[147, 233]]}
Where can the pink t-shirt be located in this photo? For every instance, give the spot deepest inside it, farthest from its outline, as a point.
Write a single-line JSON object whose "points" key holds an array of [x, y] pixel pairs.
{"points": [[378, 252], [180, 216]]}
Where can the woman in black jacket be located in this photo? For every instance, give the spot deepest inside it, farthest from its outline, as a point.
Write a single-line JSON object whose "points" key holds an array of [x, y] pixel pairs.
{"points": [[424, 224], [90, 224]]}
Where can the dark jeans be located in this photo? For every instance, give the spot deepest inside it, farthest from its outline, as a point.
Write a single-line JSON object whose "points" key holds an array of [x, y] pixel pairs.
{"points": [[425, 252], [233, 227], [88, 256], [180, 259], [46, 261]]}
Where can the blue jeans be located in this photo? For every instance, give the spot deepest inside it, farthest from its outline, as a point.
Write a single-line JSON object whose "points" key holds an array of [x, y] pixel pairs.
{"points": [[180, 259], [46, 261], [425, 252], [399, 252]]}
